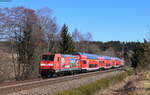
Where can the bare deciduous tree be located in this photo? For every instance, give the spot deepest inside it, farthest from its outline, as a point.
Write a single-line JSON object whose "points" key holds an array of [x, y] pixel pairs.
{"points": [[19, 25], [49, 27]]}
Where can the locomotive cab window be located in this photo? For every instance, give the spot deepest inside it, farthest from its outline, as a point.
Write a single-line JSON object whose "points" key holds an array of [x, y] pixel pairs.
{"points": [[48, 57]]}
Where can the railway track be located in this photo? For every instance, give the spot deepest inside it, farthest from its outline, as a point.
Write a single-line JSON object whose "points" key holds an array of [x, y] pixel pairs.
{"points": [[29, 84]]}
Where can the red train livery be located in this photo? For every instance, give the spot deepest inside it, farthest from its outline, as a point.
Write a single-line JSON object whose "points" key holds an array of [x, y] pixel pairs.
{"points": [[61, 64]]}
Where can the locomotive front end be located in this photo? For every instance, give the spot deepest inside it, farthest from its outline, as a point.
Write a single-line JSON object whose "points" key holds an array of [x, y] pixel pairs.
{"points": [[47, 65]]}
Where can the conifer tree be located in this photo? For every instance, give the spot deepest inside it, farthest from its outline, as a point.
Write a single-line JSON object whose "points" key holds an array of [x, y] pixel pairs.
{"points": [[138, 56], [146, 64], [66, 44]]}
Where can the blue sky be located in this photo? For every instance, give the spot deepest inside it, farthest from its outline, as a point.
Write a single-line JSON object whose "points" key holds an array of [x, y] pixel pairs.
{"points": [[124, 20]]}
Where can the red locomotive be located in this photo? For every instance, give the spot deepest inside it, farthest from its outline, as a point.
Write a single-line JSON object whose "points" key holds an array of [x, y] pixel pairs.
{"points": [[61, 64]]}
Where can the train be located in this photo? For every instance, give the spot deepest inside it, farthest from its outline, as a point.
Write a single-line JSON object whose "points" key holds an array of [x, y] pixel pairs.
{"points": [[64, 64]]}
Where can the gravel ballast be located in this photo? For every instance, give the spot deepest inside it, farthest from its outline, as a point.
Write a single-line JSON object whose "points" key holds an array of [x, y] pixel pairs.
{"points": [[45, 90]]}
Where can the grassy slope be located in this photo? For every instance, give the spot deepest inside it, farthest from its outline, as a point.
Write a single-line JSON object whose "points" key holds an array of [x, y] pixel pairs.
{"points": [[94, 87], [133, 85]]}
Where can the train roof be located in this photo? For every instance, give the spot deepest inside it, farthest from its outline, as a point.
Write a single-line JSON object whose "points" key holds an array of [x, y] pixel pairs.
{"points": [[116, 58], [106, 57], [94, 56], [89, 56], [68, 55]]}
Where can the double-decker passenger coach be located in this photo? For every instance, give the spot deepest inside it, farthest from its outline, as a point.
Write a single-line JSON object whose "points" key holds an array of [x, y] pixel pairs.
{"points": [[62, 64]]}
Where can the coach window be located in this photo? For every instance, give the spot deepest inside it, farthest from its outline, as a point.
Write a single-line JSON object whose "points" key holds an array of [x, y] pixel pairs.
{"points": [[84, 62], [58, 59], [100, 62]]}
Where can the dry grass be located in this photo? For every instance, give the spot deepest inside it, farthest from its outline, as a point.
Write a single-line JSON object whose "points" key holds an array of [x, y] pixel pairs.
{"points": [[92, 88], [6, 66], [142, 85], [133, 85], [6, 72]]}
